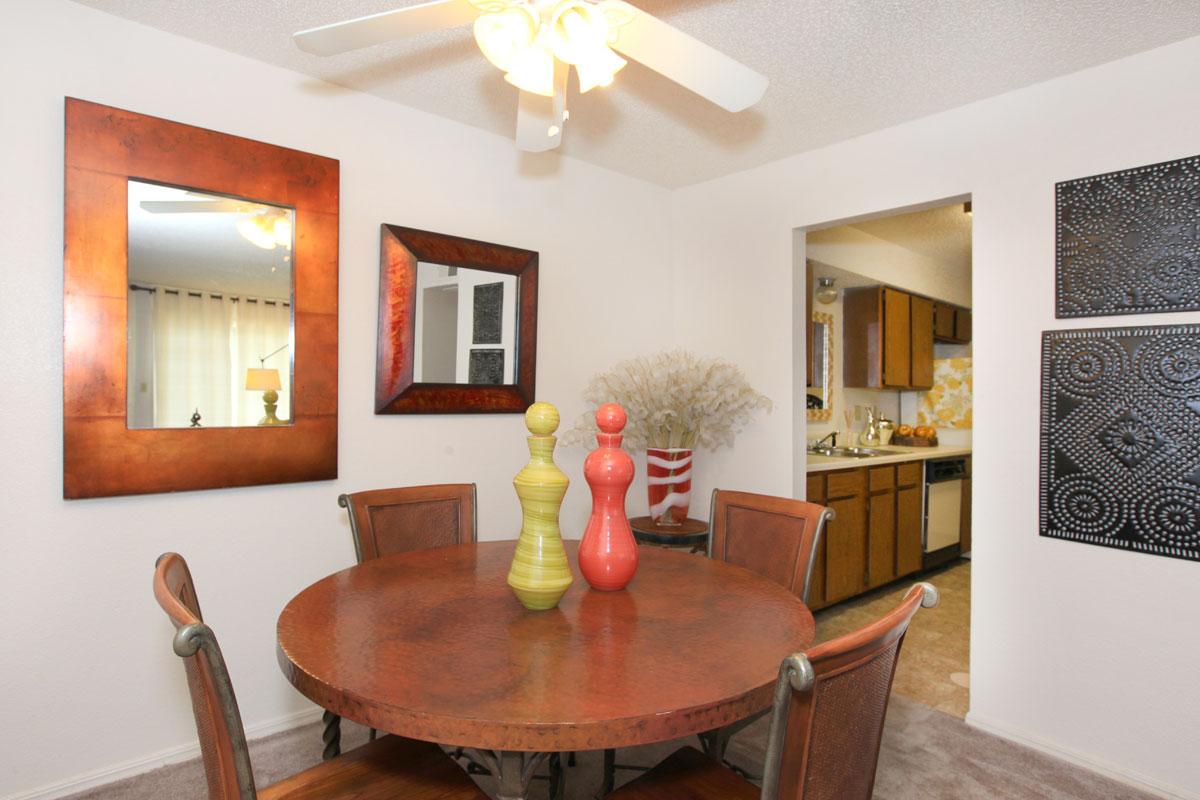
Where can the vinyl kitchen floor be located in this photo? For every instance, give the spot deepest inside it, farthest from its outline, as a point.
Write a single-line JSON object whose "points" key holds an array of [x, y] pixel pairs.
{"points": [[933, 667]]}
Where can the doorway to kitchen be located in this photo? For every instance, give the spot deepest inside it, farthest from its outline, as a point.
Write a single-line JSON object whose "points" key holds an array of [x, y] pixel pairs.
{"points": [[883, 399]]}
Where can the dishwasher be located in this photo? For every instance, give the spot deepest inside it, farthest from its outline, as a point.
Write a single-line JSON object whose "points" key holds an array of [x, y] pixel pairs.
{"points": [[942, 537]]}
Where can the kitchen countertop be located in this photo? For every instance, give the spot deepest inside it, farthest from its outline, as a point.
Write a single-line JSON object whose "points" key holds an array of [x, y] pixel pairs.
{"points": [[895, 454]]}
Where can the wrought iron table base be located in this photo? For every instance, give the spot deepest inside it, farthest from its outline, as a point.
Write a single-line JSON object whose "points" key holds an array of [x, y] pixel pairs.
{"points": [[513, 770]]}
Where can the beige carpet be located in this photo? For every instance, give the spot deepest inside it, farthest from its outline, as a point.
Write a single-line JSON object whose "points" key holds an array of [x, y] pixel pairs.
{"points": [[927, 755]]}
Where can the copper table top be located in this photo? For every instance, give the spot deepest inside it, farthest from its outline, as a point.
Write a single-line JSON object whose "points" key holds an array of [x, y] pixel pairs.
{"points": [[433, 645]]}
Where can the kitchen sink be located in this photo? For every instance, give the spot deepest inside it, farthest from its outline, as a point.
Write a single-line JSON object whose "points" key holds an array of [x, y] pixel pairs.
{"points": [[851, 452]]}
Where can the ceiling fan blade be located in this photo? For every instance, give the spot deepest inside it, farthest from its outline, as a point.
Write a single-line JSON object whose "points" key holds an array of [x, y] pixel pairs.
{"points": [[540, 120], [197, 206], [352, 34], [688, 61]]}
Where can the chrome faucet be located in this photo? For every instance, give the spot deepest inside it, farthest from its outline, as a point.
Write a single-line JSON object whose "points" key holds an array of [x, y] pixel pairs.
{"points": [[831, 436]]}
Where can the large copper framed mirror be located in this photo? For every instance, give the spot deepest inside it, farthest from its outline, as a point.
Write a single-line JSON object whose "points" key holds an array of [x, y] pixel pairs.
{"points": [[200, 308], [457, 325]]}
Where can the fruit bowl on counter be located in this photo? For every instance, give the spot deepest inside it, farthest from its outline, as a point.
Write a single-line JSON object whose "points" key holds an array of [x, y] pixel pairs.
{"points": [[915, 436]]}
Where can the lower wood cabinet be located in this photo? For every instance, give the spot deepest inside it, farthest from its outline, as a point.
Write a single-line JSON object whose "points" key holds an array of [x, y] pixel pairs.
{"points": [[909, 519], [846, 549], [881, 539], [875, 536]]}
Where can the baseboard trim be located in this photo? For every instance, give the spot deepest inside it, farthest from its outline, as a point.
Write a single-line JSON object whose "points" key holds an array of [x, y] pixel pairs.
{"points": [[1113, 771], [171, 755]]}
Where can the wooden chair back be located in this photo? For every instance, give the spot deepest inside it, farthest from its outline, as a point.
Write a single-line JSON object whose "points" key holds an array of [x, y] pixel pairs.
{"points": [[218, 722], [776, 537], [388, 521], [830, 705]]}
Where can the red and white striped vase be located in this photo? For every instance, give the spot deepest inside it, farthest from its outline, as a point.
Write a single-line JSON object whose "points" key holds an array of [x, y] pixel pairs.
{"points": [[669, 484]]}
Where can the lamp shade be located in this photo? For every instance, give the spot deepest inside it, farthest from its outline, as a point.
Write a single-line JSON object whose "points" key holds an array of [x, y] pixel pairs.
{"points": [[262, 380]]}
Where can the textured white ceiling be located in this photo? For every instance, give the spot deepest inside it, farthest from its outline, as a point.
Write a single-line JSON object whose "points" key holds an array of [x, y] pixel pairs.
{"points": [[201, 251], [838, 68], [940, 234]]}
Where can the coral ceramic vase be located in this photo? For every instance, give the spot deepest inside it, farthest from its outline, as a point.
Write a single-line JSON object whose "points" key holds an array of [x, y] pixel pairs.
{"points": [[669, 484], [608, 555], [540, 574]]}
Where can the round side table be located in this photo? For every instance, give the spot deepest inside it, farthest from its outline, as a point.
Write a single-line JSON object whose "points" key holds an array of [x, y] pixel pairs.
{"points": [[691, 533]]}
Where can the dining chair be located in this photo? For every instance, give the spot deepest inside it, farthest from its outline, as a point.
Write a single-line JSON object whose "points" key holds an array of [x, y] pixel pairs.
{"points": [[406, 518], [388, 767], [826, 723], [399, 520], [776, 537]]}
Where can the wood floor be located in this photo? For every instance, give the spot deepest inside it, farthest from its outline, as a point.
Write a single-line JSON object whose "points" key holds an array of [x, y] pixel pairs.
{"points": [[934, 664]]}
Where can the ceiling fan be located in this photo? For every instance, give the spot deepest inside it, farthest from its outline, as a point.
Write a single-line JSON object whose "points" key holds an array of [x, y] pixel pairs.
{"points": [[536, 42], [266, 227]]}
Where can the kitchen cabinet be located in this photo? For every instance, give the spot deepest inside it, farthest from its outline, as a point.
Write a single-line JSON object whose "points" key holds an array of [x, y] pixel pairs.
{"points": [[962, 325], [816, 586], [951, 323], [921, 331], [888, 338], [910, 518], [846, 549], [875, 537], [897, 338]]}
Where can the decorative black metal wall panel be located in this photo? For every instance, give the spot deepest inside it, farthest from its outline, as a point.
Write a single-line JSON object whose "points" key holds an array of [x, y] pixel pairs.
{"points": [[489, 311], [486, 367], [1120, 455], [1129, 242]]}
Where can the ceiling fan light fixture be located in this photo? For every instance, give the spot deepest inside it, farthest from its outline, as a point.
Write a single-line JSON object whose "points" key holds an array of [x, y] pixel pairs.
{"points": [[504, 37], [599, 69], [576, 30], [533, 70], [259, 231], [282, 232]]}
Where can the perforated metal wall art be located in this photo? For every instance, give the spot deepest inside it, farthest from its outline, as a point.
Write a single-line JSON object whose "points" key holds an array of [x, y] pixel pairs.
{"points": [[1129, 242], [1120, 452]]}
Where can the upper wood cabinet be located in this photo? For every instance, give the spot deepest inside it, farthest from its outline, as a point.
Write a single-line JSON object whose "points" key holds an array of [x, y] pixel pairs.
{"points": [[951, 323], [888, 339], [888, 335], [962, 325], [921, 329]]}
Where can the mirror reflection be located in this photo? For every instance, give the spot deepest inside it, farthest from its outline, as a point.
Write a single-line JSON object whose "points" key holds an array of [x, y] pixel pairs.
{"points": [[466, 326], [210, 310], [820, 391]]}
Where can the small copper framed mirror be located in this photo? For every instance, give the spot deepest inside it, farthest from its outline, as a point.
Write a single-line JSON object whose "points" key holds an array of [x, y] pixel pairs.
{"points": [[457, 325], [200, 308]]}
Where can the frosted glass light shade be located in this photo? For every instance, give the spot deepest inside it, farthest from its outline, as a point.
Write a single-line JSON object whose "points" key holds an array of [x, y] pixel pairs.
{"points": [[258, 231], [502, 37], [533, 70], [826, 292], [262, 380], [598, 69]]}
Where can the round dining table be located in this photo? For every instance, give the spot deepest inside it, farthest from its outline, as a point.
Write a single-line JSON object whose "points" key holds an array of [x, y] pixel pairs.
{"points": [[433, 645]]}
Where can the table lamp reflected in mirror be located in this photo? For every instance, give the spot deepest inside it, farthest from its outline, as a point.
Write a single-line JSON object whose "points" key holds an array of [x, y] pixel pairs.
{"points": [[267, 382]]}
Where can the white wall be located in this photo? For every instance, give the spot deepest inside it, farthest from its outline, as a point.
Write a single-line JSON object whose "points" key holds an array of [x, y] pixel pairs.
{"points": [[1087, 650], [87, 678]]}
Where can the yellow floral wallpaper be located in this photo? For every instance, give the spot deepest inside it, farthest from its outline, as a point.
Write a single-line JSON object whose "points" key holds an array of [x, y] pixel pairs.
{"points": [[948, 403]]}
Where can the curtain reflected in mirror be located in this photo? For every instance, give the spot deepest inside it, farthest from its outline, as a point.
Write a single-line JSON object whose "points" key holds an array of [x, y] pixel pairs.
{"points": [[466, 326], [210, 310]]}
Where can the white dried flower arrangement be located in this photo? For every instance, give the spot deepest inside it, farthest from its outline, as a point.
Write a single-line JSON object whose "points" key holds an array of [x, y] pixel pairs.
{"points": [[673, 399]]}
